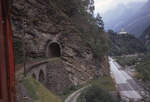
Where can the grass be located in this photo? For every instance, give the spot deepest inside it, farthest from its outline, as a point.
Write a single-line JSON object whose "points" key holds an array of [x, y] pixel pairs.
{"points": [[38, 92], [79, 98], [54, 59]]}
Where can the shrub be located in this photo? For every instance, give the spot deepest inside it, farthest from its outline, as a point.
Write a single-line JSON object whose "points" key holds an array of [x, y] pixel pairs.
{"points": [[143, 68], [70, 89], [96, 94], [127, 61]]}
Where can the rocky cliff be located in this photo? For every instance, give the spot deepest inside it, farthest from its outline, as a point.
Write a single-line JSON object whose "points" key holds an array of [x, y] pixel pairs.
{"points": [[49, 33]]}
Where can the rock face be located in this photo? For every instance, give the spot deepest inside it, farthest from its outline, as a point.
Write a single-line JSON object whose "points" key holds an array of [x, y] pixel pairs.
{"points": [[57, 76], [49, 33]]}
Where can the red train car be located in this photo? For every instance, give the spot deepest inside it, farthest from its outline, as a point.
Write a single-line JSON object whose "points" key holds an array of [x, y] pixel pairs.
{"points": [[6, 55]]}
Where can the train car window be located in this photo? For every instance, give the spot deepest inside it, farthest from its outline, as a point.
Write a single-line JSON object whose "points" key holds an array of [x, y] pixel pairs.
{"points": [[0, 85]]}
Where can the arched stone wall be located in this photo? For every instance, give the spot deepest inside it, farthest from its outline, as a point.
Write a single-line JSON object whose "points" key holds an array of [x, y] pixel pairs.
{"points": [[53, 50], [38, 72], [41, 76]]}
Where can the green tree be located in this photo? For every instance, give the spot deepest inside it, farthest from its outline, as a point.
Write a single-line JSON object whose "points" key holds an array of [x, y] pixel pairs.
{"points": [[99, 22], [73, 7]]}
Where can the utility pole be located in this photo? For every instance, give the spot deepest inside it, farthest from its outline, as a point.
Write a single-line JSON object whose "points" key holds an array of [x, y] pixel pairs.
{"points": [[24, 47]]}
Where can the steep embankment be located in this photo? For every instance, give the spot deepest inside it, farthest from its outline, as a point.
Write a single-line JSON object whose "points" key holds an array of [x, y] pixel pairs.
{"points": [[35, 92], [125, 44]]}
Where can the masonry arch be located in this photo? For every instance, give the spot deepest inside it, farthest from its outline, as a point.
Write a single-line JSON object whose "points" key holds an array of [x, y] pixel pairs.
{"points": [[41, 76], [54, 50], [34, 76]]}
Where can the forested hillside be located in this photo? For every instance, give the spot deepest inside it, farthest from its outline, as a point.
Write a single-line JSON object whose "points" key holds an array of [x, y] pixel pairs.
{"points": [[125, 44]]}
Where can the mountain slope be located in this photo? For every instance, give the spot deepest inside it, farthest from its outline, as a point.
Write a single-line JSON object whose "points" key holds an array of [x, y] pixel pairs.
{"points": [[125, 44]]}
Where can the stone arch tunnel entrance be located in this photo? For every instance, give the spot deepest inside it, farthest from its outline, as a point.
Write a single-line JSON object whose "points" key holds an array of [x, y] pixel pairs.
{"points": [[54, 50], [41, 76]]}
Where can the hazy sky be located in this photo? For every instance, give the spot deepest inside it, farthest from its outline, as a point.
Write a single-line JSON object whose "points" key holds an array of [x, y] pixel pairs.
{"points": [[102, 6]]}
